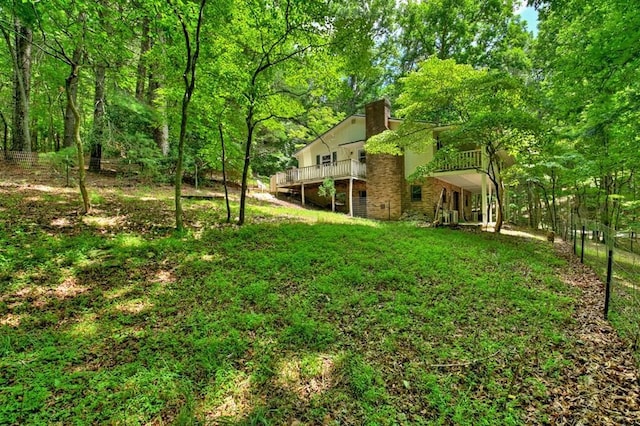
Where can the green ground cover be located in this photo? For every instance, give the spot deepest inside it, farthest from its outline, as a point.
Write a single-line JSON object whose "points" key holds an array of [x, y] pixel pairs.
{"points": [[298, 317]]}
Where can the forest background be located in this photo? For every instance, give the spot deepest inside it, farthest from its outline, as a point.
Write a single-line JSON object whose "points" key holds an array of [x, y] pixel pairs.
{"points": [[233, 88]]}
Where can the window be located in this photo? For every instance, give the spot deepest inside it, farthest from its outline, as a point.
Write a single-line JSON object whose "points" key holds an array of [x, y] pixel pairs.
{"points": [[438, 143], [444, 195], [416, 193], [362, 156], [327, 159]]}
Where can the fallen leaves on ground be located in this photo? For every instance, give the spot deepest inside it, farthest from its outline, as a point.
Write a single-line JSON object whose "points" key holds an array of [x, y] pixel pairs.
{"points": [[601, 384]]}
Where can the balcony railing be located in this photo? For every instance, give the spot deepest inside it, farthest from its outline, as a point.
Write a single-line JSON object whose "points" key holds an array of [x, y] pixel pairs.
{"points": [[340, 169], [463, 160]]}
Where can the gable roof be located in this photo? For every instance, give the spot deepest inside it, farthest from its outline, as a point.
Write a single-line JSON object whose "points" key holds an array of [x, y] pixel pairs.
{"points": [[338, 125], [320, 137]]}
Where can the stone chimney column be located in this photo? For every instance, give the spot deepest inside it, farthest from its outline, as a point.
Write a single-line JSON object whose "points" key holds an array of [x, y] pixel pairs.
{"points": [[377, 117], [385, 173]]}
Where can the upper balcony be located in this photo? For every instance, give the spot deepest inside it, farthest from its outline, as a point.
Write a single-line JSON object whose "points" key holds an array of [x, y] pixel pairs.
{"points": [[463, 160], [317, 173]]}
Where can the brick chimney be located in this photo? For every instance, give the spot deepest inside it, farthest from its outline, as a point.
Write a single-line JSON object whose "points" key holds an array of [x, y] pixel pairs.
{"points": [[377, 117], [385, 173]]}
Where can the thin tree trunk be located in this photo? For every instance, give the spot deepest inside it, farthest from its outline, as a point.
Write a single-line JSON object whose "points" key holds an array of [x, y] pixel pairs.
{"points": [[34, 135], [72, 89], [71, 106], [496, 178], [224, 173], [5, 139], [499, 205], [245, 168], [189, 78], [554, 204], [98, 119]]}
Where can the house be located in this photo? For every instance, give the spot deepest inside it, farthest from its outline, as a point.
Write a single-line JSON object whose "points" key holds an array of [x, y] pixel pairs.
{"points": [[378, 186]]}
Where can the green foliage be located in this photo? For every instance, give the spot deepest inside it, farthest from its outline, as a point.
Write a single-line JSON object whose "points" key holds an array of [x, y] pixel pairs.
{"points": [[481, 34], [327, 189]]}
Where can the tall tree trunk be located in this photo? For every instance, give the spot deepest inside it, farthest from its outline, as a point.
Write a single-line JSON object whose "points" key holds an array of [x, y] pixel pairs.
{"points": [[554, 204], [224, 172], [34, 135], [189, 78], [21, 135], [247, 160], [71, 106], [145, 45], [72, 89], [98, 119], [499, 187], [495, 175]]}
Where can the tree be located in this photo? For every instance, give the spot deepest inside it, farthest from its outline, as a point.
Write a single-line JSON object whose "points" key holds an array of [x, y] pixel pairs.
{"points": [[589, 58], [272, 53], [328, 190], [192, 47], [478, 33], [57, 45], [487, 108], [19, 44]]}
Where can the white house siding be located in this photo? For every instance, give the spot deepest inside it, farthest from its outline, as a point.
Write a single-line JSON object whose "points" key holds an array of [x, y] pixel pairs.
{"points": [[351, 130], [414, 159]]}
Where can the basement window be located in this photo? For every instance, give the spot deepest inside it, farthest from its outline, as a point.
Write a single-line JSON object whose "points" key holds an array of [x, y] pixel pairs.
{"points": [[416, 193]]}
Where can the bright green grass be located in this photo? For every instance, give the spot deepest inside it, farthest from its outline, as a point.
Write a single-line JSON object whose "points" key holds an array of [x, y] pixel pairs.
{"points": [[314, 317]]}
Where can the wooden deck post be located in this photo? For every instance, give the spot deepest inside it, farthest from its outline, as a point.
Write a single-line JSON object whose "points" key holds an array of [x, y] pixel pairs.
{"points": [[351, 197], [302, 192]]}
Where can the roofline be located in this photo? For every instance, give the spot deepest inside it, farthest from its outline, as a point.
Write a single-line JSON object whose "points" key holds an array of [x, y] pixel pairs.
{"points": [[353, 142], [391, 119], [295, 154]]}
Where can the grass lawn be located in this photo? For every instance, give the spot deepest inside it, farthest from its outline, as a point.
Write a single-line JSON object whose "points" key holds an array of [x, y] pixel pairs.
{"points": [[297, 318]]}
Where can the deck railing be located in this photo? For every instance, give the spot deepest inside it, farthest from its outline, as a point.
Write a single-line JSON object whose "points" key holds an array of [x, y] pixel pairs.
{"points": [[463, 160], [340, 169]]}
